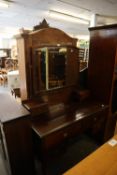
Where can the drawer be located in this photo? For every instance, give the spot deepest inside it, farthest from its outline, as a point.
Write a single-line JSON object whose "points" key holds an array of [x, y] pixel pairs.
{"points": [[62, 135], [99, 117], [95, 120], [99, 124], [38, 110]]}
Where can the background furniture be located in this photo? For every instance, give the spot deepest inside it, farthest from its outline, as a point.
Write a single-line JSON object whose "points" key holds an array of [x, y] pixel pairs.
{"points": [[16, 136], [3, 77], [15, 92], [13, 79], [4, 54]]}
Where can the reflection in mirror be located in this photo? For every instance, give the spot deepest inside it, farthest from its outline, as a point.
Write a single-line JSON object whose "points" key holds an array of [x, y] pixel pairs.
{"points": [[52, 67], [39, 72], [43, 68], [56, 67]]}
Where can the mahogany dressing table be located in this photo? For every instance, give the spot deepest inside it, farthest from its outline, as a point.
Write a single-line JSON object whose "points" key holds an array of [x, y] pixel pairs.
{"points": [[49, 70]]}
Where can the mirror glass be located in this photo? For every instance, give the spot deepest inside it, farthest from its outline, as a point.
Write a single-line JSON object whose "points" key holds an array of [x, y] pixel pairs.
{"points": [[52, 67]]}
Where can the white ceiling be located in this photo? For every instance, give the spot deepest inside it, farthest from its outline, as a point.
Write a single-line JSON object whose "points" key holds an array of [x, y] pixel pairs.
{"points": [[28, 13]]}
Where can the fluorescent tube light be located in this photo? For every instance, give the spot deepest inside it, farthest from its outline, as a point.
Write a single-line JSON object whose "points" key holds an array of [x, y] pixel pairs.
{"points": [[67, 17], [4, 4]]}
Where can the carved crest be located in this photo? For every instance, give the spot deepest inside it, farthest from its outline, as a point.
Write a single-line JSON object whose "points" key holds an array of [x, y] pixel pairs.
{"points": [[42, 25]]}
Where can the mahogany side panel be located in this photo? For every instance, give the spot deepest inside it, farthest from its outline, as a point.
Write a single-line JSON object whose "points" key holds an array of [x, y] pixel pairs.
{"points": [[103, 42], [101, 69], [19, 146]]}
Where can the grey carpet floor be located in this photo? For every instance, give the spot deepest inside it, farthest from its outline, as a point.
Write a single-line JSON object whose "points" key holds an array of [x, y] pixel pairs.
{"points": [[3, 170]]}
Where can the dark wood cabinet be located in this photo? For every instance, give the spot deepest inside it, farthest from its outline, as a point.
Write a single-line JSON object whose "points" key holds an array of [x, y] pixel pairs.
{"points": [[16, 137], [102, 69]]}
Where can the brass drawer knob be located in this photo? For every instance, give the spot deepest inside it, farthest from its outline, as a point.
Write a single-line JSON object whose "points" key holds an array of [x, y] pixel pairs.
{"points": [[65, 134], [95, 118]]}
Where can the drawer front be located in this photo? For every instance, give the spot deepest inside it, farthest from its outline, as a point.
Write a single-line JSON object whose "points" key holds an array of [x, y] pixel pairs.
{"points": [[99, 122], [96, 120], [39, 110], [62, 135]]}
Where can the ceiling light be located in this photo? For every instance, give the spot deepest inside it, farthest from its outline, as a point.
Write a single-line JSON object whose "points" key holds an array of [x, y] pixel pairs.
{"points": [[4, 4], [74, 5], [67, 17]]}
